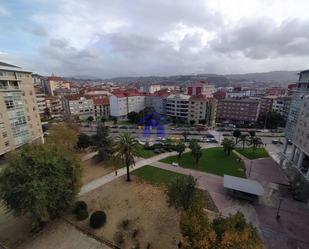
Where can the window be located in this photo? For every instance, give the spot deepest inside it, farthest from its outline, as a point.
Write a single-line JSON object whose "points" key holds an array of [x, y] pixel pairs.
{"points": [[6, 143]]}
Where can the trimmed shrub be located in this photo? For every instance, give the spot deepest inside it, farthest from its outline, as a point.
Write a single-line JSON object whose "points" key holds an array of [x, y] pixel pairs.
{"points": [[97, 219], [79, 205], [82, 214]]}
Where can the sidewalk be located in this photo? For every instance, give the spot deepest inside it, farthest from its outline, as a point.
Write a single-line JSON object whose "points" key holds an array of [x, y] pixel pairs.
{"points": [[110, 177]]}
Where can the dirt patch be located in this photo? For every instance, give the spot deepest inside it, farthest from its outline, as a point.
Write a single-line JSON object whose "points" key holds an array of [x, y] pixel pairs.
{"points": [[150, 219], [13, 230], [93, 169]]}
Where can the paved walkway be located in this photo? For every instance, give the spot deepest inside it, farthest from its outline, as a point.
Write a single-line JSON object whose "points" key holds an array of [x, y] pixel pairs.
{"points": [[120, 172], [214, 185]]}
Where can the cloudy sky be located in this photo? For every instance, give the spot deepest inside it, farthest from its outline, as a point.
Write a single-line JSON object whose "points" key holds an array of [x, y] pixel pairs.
{"points": [[108, 38]]}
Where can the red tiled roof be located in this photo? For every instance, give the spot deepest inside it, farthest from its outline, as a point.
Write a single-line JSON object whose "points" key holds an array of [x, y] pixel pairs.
{"points": [[102, 101]]}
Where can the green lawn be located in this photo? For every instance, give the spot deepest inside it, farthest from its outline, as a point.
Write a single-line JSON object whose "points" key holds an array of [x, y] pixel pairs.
{"points": [[213, 160], [145, 153], [250, 154], [155, 175]]}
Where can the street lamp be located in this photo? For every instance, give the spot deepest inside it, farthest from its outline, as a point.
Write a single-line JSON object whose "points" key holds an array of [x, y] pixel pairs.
{"points": [[278, 216], [250, 168]]}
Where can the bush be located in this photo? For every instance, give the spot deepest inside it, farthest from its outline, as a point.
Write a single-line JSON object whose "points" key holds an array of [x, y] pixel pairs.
{"points": [[97, 219], [118, 238], [125, 223], [82, 214], [79, 205]]}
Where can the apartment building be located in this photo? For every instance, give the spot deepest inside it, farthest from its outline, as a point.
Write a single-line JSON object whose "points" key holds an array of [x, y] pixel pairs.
{"points": [[157, 100], [177, 105], [54, 106], [101, 107], [282, 106], [201, 87], [202, 110], [238, 111], [298, 93], [124, 101], [77, 106], [266, 104], [53, 83], [19, 115]]}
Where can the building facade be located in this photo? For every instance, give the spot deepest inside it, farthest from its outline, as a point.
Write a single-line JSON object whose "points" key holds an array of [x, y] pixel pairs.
{"points": [[266, 104], [282, 106], [123, 102], [101, 107], [201, 87], [297, 98], [177, 105], [19, 115], [54, 83], [77, 106], [202, 110], [238, 111]]}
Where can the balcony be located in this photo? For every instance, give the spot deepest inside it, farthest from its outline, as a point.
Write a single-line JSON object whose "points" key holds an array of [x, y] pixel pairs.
{"points": [[9, 86]]}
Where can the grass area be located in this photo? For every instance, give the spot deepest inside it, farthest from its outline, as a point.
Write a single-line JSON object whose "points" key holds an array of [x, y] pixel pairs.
{"points": [[145, 153], [213, 160], [250, 154], [156, 176], [161, 177]]}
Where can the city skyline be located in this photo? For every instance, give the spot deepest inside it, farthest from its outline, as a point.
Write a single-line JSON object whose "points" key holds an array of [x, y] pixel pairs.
{"points": [[109, 39]]}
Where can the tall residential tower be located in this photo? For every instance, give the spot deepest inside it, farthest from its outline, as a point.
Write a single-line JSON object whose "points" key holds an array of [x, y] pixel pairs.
{"points": [[19, 116]]}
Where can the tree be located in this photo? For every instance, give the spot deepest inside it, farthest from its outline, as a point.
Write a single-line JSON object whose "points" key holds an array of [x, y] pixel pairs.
{"points": [[192, 143], [255, 142], [271, 120], [63, 135], [125, 149], [90, 119], [192, 122], [180, 148], [196, 152], [133, 117], [103, 143], [228, 145], [114, 120], [252, 133], [41, 181], [243, 139], [185, 135], [228, 233], [103, 120], [84, 141], [236, 134], [181, 192]]}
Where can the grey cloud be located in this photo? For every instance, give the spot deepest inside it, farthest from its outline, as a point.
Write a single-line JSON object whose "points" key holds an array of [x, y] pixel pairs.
{"points": [[261, 39], [39, 31]]}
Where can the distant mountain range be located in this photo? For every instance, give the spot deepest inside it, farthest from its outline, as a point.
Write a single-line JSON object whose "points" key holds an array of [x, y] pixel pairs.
{"points": [[260, 79]]}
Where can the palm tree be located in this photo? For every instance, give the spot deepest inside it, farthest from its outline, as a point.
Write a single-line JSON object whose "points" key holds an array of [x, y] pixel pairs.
{"points": [[196, 152], [180, 148], [236, 134], [255, 142], [125, 148], [228, 145], [243, 139]]}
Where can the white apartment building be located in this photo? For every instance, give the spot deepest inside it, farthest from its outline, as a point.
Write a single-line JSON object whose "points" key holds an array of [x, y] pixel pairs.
{"points": [[121, 103], [282, 106], [177, 105], [78, 106]]}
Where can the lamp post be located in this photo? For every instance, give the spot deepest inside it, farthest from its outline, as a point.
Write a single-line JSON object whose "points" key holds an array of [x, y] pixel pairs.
{"points": [[278, 215], [250, 168]]}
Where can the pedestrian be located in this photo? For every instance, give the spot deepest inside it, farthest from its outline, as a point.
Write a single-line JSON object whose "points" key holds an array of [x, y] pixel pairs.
{"points": [[116, 172]]}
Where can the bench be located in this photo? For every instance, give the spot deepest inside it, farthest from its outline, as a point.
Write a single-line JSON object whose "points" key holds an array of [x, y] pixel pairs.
{"points": [[175, 164]]}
